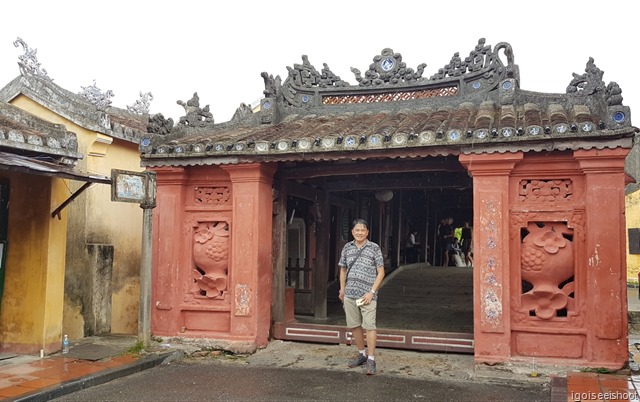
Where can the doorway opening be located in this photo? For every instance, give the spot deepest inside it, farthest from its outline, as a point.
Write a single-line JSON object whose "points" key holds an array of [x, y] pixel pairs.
{"points": [[420, 298]]}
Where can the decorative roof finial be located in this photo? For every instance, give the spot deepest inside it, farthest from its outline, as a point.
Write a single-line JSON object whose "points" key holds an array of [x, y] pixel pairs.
{"points": [[28, 62], [242, 111], [271, 84], [588, 83], [196, 116], [159, 125], [142, 105], [96, 97]]}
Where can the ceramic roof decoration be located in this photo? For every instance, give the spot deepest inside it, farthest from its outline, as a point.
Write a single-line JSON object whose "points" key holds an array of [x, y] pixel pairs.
{"points": [[141, 106], [471, 105], [20, 131], [90, 109], [112, 121], [97, 96], [28, 62]]}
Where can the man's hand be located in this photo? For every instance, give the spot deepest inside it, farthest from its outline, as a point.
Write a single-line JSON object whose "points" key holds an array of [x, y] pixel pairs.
{"points": [[368, 297], [341, 295]]}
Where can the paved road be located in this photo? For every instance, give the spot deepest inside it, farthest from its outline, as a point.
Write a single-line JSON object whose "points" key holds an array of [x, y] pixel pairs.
{"points": [[206, 380]]}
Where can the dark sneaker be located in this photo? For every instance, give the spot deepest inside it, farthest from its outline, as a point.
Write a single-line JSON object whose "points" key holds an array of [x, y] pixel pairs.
{"points": [[371, 367], [358, 361]]}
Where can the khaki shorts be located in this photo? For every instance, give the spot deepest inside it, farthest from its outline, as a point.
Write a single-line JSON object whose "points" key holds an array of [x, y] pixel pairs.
{"points": [[363, 316]]}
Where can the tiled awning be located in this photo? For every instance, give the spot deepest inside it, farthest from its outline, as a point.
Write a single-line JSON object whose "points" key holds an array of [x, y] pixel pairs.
{"points": [[25, 164]]}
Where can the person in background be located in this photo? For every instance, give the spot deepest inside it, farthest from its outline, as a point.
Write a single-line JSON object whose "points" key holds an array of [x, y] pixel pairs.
{"points": [[447, 237], [410, 250], [439, 242], [361, 272], [466, 237]]}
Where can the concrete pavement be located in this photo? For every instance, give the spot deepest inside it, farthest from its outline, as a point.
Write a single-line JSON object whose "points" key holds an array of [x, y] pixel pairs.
{"points": [[31, 378]]}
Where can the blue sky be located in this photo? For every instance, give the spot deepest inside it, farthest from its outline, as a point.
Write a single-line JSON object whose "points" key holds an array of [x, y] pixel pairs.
{"points": [[219, 49]]}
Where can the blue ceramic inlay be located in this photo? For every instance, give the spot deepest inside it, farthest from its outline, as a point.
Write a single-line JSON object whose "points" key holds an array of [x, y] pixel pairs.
{"points": [[619, 117], [387, 64]]}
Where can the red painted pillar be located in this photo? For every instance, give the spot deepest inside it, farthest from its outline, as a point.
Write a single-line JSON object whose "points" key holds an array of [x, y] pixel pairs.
{"points": [[168, 218], [606, 255], [492, 332], [250, 269]]}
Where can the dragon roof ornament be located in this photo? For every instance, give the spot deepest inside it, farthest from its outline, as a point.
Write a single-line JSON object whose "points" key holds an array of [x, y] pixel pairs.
{"points": [[591, 82], [480, 58], [28, 62], [141, 106], [96, 97]]}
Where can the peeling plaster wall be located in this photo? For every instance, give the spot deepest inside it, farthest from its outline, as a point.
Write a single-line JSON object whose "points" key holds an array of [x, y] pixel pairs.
{"points": [[95, 220]]}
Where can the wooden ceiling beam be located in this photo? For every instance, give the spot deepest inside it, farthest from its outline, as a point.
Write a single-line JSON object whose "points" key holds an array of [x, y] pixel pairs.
{"points": [[396, 183], [371, 167], [310, 193]]}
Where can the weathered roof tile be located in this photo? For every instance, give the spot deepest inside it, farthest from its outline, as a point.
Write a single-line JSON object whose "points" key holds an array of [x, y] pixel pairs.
{"points": [[474, 105]]}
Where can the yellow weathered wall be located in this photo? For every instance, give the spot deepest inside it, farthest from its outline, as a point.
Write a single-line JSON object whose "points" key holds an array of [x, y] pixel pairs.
{"points": [[95, 219], [31, 310], [123, 224], [632, 202]]}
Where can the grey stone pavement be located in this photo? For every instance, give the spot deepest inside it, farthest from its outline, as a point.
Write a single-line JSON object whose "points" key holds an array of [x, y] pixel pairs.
{"points": [[331, 359]]}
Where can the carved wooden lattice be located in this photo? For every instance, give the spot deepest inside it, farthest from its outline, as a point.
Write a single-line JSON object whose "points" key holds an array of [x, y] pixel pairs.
{"points": [[545, 190], [389, 97], [212, 196], [547, 268]]}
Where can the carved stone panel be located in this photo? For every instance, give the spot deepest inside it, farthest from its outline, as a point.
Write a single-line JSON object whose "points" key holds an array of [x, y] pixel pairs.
{"points": [[557, 190], [547, 269], [212, 196], [211, 259]]}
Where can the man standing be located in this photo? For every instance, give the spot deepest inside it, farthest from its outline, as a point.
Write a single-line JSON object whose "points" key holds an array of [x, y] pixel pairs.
{"points": [[361, 273]]}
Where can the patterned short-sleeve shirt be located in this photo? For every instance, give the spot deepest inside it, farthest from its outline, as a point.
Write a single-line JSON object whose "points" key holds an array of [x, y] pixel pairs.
{"points": [[364, 270]]}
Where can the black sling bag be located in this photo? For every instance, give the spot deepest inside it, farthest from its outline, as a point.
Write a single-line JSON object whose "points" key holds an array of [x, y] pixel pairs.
{"points": [[354, 261]]}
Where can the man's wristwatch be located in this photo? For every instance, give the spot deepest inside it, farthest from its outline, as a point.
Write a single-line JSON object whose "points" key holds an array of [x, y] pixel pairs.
{"points": [[375, 292]]}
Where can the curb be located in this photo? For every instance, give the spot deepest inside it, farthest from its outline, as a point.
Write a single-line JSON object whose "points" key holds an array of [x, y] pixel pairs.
{"points": [[101, 377]]}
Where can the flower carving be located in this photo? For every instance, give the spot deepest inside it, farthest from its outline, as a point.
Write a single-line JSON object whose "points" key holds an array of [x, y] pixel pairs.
{"points": [[213, 287], [551, 241], [545, 302]]}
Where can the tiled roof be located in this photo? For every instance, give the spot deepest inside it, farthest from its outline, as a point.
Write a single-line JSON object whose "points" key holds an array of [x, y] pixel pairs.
{"points": [[22, 132], [115, 122], [31, 145], [470, 105]]}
